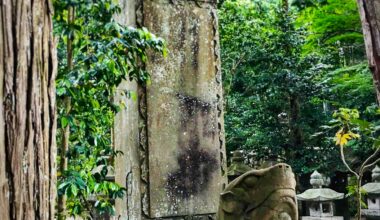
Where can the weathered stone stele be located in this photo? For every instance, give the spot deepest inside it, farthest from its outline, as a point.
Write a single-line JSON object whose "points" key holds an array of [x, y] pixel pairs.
{"points": [[184, 128], [266, 194], [172, 136]]}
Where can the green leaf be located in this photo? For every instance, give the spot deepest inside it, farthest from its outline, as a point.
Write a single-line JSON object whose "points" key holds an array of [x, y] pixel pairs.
{"points": [[74, 190], [64, 122], [95, 104], [63, 185]]}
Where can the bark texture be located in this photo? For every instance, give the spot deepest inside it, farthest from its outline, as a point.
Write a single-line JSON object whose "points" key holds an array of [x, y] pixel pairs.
{"points": [[27, 110], [370, 18]]}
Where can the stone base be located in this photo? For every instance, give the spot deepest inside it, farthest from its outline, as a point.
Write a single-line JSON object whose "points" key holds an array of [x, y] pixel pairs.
{"points": [[322, 218], [373, 213]]}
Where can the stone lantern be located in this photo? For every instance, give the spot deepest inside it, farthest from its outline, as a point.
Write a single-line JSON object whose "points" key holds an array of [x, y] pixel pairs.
{"points": [[237, 167], [373, 198], [320, 201]]}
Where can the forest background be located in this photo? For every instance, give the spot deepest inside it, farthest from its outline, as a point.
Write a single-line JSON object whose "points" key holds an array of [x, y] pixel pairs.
{"points": [[291, 71], [287, 67]]}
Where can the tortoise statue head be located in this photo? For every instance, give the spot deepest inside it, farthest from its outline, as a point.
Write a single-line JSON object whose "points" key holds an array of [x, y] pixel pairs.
{"points": [[266, 194]]}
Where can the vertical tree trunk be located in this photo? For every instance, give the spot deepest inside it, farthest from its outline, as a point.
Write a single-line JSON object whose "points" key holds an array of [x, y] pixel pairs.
{"points": [[370, 18], [27, 110], [63, 163], [295, 130], [296, 133]]}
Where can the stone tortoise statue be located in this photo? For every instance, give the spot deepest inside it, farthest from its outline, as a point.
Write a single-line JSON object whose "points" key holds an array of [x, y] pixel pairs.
{"points": [[266, 194]]}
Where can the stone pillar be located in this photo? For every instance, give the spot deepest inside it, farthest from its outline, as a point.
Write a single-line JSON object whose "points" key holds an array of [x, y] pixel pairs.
{"points": [[184, 118], [173, 139], [126, 134]]}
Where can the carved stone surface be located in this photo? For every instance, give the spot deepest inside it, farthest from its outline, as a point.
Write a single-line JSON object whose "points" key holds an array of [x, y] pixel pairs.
{"points": [[184, 116], [267, 194]]}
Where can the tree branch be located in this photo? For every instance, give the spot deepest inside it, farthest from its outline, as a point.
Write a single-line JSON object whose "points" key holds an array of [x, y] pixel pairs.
{"points": [[364, 165], [346, 164], [372, 164]]}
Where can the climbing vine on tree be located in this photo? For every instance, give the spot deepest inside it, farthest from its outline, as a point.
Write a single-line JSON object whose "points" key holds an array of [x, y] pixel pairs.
{"points": [[95, 54]]}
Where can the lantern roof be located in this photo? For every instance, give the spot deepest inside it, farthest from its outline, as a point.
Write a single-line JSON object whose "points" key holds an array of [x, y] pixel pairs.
{"points": [[319, 194], [373, 187]]}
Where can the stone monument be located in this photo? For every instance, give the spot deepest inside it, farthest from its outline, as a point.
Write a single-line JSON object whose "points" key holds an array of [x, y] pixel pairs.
{"points": [[373, 197], [320, 200], [173, 135], [266, 194]]}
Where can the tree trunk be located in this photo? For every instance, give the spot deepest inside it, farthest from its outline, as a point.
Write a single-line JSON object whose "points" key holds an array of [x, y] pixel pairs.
{"points": [[370, 18], [27, 110], [296, 135], [63, 163]]}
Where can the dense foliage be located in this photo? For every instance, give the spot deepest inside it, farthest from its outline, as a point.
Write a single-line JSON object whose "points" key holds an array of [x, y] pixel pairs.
{"points": [[286, 68], [334, 29], [103, 53]]}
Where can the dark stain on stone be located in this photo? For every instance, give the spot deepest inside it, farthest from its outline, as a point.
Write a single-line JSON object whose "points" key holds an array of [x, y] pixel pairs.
{"points": [[194, 173], [196, 164], [193, 108], [182, 33], [191, 105], [195, 45]]}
